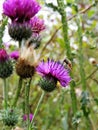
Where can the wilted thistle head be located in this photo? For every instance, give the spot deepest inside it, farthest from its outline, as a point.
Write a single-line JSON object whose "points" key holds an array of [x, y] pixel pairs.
{"points": [[25, 66], [6, 67], [52, 72], [20, 10]]}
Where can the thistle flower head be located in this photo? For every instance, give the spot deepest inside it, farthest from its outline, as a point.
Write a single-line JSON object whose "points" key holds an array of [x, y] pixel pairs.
{"points": [[20, 10], [37, 25], [53, 71], [25, 67], [14, 55], [26, 116], [6, 67], [3, 55], [19, 31], [10, 117]]}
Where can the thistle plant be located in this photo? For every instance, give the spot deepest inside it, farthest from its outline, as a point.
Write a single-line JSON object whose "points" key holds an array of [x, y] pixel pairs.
{"points": [[20, 14], [6, 70], [44, 76], [52, 72]]}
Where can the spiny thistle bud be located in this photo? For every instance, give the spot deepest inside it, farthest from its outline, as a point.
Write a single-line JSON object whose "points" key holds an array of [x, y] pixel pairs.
{"points": [[48, 84], [52, 72], [10, 117], [25, 66], [6, 67], [19, 31]]}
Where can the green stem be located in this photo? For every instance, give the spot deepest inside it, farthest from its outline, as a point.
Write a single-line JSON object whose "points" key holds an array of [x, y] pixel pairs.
{"points": [[68, 49], [5, 93], [27, 92], [73, 97], [82, 72], [17, 92], [37, 108], [20, 44], [88, 123], [80, 55], [64, 27]]}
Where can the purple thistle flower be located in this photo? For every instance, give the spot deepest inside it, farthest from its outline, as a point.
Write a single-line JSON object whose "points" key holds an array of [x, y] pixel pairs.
{"points": [[37, 25], [24, 117], [20, 10], [6, 67], [55, 71], [30, 117], [14, 55], [3, 55]]}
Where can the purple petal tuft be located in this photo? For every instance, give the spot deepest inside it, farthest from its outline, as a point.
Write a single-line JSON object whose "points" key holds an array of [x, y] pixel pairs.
{"points": [[20, 10], [14, 55], [56, 70]]}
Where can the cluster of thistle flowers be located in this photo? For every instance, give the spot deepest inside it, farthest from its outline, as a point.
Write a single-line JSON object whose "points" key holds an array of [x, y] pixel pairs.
{"points": [[24, 23], [25, 26]]}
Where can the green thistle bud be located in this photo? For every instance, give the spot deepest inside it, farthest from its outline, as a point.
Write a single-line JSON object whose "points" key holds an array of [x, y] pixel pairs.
{"points": [[47, 84], [10, 117], [19, 31], [6, 67]]}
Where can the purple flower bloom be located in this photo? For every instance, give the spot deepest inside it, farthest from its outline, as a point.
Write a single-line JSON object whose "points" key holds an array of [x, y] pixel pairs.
{"points": [[14, 55], [6, 67], [37, 25], [3, 55], [24, 117], [30, 117], [54, 70], [20, 10]]}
